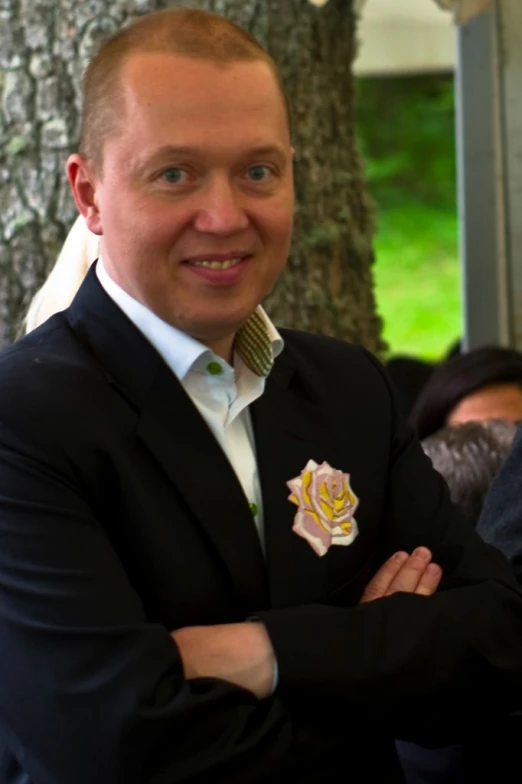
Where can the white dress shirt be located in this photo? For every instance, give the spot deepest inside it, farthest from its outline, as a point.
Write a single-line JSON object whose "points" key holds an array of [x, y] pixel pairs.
{"points": [[220, 392]]}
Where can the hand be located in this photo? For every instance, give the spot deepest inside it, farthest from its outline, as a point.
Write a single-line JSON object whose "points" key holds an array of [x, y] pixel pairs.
{"points": [[413, 573], [240, 653]]}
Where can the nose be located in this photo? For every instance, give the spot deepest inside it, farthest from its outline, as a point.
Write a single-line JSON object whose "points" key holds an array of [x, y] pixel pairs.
{"points": [[221, 211]]}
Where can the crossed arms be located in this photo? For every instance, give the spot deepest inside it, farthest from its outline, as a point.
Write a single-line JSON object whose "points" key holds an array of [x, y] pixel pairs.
{"points": [[92, 690], [242, 653]]}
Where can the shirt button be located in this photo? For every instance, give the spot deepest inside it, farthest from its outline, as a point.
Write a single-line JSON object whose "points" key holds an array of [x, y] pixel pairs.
{"points": [[214, 368], [253, 509]]}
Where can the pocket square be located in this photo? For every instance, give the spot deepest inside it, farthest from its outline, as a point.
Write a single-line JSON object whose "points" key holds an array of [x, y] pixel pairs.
{"points": [[326, 505]]}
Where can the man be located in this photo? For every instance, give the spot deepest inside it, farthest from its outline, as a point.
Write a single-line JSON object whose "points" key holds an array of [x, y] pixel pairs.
{"points": [[191, 504]]}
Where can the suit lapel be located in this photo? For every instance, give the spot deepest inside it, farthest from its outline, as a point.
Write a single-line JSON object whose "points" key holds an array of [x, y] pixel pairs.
{"points": [[176, 435], [181, 441], [289, 430]]}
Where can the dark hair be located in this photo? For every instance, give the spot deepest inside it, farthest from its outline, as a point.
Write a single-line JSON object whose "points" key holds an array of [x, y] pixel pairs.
{"points": [[468, 456], [459, 377]]}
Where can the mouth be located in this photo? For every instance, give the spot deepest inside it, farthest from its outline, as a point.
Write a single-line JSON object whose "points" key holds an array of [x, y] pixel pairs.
{"points": [[219, 269], [214, 264]]}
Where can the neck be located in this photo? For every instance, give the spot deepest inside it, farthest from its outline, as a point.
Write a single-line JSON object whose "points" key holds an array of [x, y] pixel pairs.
{"points": [[223, 348]]}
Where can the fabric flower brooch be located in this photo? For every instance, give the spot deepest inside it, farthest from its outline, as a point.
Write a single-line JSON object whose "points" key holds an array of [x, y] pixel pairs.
{"points": [[325, 507]]}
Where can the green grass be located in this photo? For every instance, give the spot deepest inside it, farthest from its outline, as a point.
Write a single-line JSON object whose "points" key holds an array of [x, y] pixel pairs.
{"points": [[417, 280]]}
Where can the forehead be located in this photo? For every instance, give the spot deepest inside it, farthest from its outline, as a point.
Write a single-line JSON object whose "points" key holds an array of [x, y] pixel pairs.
{"points": [[496, 399], [169, 90]]}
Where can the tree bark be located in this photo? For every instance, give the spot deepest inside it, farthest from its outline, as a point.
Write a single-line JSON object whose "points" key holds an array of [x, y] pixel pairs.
{"points": [[44, 46]]}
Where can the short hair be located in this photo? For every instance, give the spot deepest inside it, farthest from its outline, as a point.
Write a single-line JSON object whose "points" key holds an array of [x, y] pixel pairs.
{"points": [[460, 376], [193, 33], [469, 456]]}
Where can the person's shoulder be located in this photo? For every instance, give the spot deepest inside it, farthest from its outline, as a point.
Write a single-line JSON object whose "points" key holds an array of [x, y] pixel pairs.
{"points": [[311, 342], [52, 341], [329, 352], [344, 377], [43, 368]]}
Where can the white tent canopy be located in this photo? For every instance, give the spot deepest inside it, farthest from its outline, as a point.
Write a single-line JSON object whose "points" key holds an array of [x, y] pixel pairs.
{"points": [[404, 36]]}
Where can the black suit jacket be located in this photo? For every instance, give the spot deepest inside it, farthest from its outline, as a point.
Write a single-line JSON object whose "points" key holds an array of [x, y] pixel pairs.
{"points": [[121, 519], [500, 522]]}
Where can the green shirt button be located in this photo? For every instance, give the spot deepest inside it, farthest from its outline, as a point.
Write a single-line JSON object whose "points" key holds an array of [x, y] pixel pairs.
{"points": [[214, 368], [253, 509]]}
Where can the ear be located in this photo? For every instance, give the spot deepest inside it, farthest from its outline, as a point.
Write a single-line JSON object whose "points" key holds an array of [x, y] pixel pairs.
{"points": [[84, 184]]}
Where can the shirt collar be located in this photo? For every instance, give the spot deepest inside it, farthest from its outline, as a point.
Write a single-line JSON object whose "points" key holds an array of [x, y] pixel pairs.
{"points": [[257, 342]]}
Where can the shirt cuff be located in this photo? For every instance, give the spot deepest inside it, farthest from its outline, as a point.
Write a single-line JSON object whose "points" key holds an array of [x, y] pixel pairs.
{"points": [[276, 677]]}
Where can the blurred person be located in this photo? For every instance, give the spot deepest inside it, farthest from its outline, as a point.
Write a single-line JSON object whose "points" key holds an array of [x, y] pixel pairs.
{"points": [[409, 376], [468, 456], [500, 523], [484, 383], [221, 543]]}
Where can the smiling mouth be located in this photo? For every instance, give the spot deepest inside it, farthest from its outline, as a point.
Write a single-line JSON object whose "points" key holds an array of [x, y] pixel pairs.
{"points": [[224, 264]]}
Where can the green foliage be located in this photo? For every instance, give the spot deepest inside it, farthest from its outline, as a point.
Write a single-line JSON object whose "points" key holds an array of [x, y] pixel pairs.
{"points": [[406, 135], [417, 280]]}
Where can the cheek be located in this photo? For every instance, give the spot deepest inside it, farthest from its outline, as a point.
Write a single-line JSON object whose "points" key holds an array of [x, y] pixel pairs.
{"points": [[277, 222], [156, 228]]}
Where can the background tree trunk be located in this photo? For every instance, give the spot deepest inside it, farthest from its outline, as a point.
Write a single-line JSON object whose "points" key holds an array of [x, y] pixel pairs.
{"points": [[44, 45]]}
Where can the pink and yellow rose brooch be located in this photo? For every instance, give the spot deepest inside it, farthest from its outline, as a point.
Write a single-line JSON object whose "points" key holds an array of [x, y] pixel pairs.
{"points": [[326, 506]]}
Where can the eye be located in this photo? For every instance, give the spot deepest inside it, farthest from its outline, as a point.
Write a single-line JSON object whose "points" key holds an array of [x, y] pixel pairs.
{"points": [[259, 173], [174, 175]]}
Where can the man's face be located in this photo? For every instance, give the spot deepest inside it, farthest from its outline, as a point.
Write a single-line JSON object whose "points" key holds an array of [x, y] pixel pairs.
{"points": [[195, 200]]}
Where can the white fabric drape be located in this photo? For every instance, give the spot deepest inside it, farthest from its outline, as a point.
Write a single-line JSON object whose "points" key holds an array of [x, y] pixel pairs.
{"points": [[465, 9]]}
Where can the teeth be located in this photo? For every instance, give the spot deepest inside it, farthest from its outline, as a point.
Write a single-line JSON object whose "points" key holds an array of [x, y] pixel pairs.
{"points": [[221, 265]]}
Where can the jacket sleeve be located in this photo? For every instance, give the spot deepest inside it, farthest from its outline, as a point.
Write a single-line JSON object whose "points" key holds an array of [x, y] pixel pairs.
{"points": [[414, 662], [500, 523], [90, 691]]}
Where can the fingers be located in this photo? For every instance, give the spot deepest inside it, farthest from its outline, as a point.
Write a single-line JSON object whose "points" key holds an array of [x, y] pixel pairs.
{"points": [[429, 582], [413, 573], [381, 581], [413, 569]]}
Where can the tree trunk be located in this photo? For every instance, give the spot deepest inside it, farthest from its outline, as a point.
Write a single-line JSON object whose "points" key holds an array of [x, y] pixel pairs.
{"points": [[44, 45]]}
